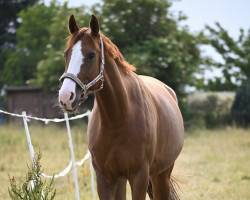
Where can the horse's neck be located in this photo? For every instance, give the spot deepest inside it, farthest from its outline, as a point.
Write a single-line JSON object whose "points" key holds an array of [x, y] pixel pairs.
{"points": [[112, 100]]}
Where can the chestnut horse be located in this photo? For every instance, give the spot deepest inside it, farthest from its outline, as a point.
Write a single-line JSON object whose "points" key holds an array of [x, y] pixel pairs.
{"points": [[136, 130]]}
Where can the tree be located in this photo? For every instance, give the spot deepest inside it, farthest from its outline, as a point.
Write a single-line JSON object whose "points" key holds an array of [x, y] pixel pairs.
{"points": [[150, 37], [128, 22], [37, 58], [9, 10], [10, 21], [173, 59], [236, 56], [32, 38]]}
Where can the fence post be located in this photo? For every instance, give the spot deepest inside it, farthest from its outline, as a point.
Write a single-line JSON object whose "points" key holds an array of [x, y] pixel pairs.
{"points": [[32, 154], [91, 166], [72, 155]]}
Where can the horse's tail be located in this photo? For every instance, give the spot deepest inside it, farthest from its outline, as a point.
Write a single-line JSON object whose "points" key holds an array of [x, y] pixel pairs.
{"points": [[150, 190], [174, 186]]}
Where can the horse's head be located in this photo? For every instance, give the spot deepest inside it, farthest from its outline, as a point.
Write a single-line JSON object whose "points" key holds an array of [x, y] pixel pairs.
{"points": [[84, 64]]}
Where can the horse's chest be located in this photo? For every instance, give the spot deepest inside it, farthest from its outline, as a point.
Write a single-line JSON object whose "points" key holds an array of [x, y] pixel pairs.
{"points": [[112, 161], [117, 151], [115, 156]]}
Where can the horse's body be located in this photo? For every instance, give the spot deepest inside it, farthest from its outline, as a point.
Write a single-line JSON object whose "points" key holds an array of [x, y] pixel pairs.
{"points": [[135, 132]]}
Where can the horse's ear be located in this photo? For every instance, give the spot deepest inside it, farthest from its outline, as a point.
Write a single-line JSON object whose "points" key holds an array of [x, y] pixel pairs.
{"points": [[73, 27], [94, 25]]}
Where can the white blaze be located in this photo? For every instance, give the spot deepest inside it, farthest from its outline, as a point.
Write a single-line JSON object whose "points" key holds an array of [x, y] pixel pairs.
{"points": [[76, 61]]}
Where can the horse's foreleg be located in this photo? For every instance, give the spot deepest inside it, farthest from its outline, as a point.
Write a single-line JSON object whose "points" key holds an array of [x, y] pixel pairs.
{"points": [[121, 189], [139, 183], [106, 190]]}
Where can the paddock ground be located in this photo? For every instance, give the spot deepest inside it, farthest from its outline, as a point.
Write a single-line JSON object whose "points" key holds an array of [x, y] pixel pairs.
{"points": [[214, 164]]}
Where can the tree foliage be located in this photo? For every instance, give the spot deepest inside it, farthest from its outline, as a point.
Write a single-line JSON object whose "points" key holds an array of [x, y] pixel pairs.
{"points": [[150, 38], [9, 10], [10, 21], [236, 56], [32, 39], [172, 59], [129, 22], [37, 58]]}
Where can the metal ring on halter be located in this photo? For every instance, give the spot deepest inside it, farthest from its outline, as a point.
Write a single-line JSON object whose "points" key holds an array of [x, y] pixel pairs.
{"points": [[85, 87]]}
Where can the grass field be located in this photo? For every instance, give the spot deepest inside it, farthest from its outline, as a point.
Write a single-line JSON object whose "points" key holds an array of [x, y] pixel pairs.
{"points": [[214, 165]]}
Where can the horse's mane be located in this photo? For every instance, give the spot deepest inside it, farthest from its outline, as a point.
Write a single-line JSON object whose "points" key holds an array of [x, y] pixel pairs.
{"points": [[112, 49], [115, 53]]}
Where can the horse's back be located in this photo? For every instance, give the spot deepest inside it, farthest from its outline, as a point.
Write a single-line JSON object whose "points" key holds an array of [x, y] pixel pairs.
{"points": [[150, 80], [170, 131]]}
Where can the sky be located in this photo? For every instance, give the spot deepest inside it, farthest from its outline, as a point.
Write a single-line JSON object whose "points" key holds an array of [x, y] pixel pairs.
{"points": [[231, 14]]}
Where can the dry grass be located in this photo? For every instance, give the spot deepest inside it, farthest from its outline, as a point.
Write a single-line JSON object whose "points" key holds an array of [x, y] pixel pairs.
{"points": [[53, 143], [213, 164]]}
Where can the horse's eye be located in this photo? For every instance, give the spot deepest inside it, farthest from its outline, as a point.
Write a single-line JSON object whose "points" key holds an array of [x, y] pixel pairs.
{"points": [[91, 55]]}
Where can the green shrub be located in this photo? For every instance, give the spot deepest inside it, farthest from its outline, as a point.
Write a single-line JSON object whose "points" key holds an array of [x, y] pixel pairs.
{"points": [[211, 112], [40, 191], [241, 105]]}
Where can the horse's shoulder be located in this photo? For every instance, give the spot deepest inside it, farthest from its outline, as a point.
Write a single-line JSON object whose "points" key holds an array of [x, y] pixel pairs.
{"points": [[155, 82]]}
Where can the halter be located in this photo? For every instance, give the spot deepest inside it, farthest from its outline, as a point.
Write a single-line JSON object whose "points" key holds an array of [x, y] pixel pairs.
{"points": [[85, 87]]}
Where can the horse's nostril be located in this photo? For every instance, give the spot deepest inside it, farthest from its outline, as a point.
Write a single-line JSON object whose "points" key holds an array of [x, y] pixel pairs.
{"points": [[71, 96], [61, 103]]}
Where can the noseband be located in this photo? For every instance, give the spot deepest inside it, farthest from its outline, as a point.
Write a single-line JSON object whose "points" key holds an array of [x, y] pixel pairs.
{"points": [[85, 87]]}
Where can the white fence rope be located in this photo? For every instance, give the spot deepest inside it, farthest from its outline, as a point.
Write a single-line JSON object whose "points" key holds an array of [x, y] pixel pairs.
{"points": [[45, 120], [67, 169], [72, 162]]}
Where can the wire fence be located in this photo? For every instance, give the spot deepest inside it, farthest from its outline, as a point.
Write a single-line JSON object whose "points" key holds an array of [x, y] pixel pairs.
{"points": [[72, 163]]}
